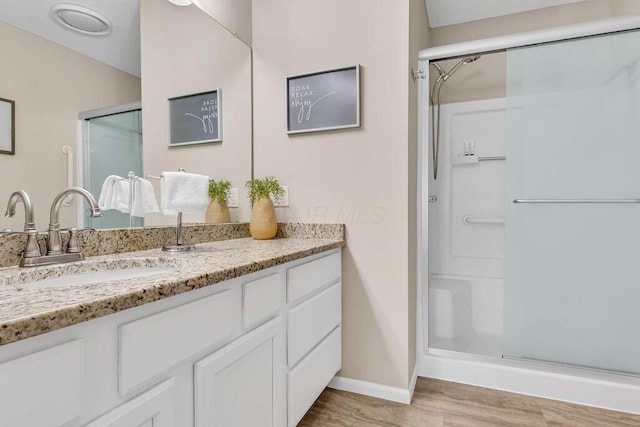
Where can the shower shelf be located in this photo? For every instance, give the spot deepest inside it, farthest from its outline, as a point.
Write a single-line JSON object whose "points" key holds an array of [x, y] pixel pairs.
{"points": [[473, 159]]}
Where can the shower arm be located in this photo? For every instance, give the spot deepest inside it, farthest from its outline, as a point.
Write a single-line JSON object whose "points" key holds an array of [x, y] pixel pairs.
{"points": [[435, 105]]}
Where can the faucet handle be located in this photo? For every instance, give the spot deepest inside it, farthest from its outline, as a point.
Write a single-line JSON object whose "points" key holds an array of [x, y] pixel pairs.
{"points": [[73, 247], [32, 249]]}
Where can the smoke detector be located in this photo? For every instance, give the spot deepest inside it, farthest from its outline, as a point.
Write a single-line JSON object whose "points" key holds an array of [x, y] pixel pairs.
{"points": [[81, 19]]}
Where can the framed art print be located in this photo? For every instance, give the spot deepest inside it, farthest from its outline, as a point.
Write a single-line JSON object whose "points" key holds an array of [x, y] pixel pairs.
{"points": [[323, 100], [195, 118], [7, 126]]}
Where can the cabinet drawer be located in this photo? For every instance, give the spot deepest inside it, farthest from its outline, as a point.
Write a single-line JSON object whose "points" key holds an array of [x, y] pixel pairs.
{"points": [[311, 321], [305, 279], [152, 345], [261, 299], [312, 375], [43, 388]]}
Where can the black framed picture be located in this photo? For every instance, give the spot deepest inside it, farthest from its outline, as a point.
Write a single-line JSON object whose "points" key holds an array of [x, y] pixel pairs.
{"points": [[7, 126], [195, 118], [323, 100]]}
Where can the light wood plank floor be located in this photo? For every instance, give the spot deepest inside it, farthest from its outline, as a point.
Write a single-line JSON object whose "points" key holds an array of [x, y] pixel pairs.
{"points": [[441, 403]]}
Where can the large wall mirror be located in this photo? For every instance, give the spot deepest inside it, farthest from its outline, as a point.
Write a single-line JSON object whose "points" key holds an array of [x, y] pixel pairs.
{"points": [[154, 51]]}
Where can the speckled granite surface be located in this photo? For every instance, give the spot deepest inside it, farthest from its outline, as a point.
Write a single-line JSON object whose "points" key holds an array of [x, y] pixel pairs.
{"points": [[28, 311], [103, 242], [311, 231]]}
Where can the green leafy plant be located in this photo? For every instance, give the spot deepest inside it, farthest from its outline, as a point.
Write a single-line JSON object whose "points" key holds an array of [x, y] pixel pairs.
{"points": [[219, 190], [261, 188]]}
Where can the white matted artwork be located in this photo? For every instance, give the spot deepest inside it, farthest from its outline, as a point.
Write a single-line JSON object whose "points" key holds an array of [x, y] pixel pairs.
{"points": [[195, 118], [7, 127], [323, 100]]}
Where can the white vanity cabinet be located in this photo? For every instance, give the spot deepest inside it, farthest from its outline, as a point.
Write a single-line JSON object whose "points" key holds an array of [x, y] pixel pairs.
{"points": [[252, 351]]}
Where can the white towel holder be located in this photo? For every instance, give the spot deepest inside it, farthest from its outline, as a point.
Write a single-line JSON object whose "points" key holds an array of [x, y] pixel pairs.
{"points": [[68, 151]]}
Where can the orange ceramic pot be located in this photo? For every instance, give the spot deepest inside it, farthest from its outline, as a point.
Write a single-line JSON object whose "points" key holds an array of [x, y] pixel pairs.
{"points": [[263, 223], [218, 212]]}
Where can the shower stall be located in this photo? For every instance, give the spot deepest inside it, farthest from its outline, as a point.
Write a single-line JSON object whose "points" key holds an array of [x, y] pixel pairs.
{"points": [[530, 277]]}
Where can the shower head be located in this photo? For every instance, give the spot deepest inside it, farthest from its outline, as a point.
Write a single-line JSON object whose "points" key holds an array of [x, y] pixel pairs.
{"points": [[437, 87], [463, 61]]}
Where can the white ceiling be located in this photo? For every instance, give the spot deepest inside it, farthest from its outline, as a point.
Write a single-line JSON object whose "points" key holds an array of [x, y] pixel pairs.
{"points": [[449, 12], [120, 48]]}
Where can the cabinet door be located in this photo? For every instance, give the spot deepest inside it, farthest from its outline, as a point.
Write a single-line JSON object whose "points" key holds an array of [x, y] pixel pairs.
{"points": [[44, 388], [242, 385], [152, 408]]}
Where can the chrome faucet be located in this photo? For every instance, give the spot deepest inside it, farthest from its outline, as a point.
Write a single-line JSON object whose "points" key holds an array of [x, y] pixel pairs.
{"points": [[32, 249], [29, 224], [54, 242]]}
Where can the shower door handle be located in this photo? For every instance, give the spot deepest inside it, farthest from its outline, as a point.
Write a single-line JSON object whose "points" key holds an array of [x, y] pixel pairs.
{"points": [[576, 201]]}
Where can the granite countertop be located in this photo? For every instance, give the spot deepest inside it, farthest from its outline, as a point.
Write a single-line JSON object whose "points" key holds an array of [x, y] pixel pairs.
{"points": [[30, 311]]}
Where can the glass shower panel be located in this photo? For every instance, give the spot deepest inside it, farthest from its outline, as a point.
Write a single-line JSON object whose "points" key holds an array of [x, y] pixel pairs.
{"points": [[572, 275], [114, 147]]}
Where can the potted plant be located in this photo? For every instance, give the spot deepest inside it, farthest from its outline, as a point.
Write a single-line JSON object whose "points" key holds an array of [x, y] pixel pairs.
{"points": [[263, 223], [218, 211]]}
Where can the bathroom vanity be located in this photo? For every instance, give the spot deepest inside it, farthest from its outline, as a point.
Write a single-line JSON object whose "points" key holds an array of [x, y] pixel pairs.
{"points": [[237, 333]]}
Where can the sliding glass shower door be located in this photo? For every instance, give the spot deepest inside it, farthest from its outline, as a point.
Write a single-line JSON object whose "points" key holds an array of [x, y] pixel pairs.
{"points": [[113, 146], [572, 272]]}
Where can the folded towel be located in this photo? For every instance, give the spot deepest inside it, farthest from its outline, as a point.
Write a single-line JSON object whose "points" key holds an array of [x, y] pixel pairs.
{"points": [[184, 192], [116, 194], [144, 199], [108, 196]]}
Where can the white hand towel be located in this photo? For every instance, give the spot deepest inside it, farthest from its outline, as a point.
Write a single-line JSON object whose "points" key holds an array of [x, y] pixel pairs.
{"points": [[121, 195], [184, 192], [144, 198], [106, 200]]}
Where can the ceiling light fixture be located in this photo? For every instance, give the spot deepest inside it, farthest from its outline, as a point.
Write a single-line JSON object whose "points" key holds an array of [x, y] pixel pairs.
{"points": [[80, 19], [181, 2]]}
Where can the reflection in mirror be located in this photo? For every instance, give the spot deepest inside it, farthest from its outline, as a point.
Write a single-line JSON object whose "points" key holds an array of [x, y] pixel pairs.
{"points": [[54, 74], [234, 15], [50, 85], [112, 147], [185, 51]]}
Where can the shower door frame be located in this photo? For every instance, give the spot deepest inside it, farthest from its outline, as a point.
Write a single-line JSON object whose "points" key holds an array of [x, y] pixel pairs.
{"points": [[82, 141], [560, 382]]}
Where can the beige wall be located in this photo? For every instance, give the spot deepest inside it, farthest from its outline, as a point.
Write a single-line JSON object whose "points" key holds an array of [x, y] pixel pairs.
{"points": [[185, 51], [486, 78], [50, 85], [235, 15], [418, 39], [358, 176]]}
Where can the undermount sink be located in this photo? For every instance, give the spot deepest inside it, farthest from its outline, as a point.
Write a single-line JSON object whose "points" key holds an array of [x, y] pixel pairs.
{"points": [[89, 272]]}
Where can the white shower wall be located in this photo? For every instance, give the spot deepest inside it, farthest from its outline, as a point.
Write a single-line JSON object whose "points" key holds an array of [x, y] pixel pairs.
{"points": [[466, 261]]}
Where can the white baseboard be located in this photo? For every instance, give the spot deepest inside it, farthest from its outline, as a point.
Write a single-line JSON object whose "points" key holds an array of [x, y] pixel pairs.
{"points": [[394, 394], [414, 379], [619, 393]]}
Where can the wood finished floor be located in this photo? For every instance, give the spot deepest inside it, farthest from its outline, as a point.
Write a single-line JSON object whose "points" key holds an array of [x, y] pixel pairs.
{"points": [[441, 403]]}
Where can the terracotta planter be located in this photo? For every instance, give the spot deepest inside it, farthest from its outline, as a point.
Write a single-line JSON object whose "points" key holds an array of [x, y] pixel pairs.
{"points": [[217, 212], [263, 223]]}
